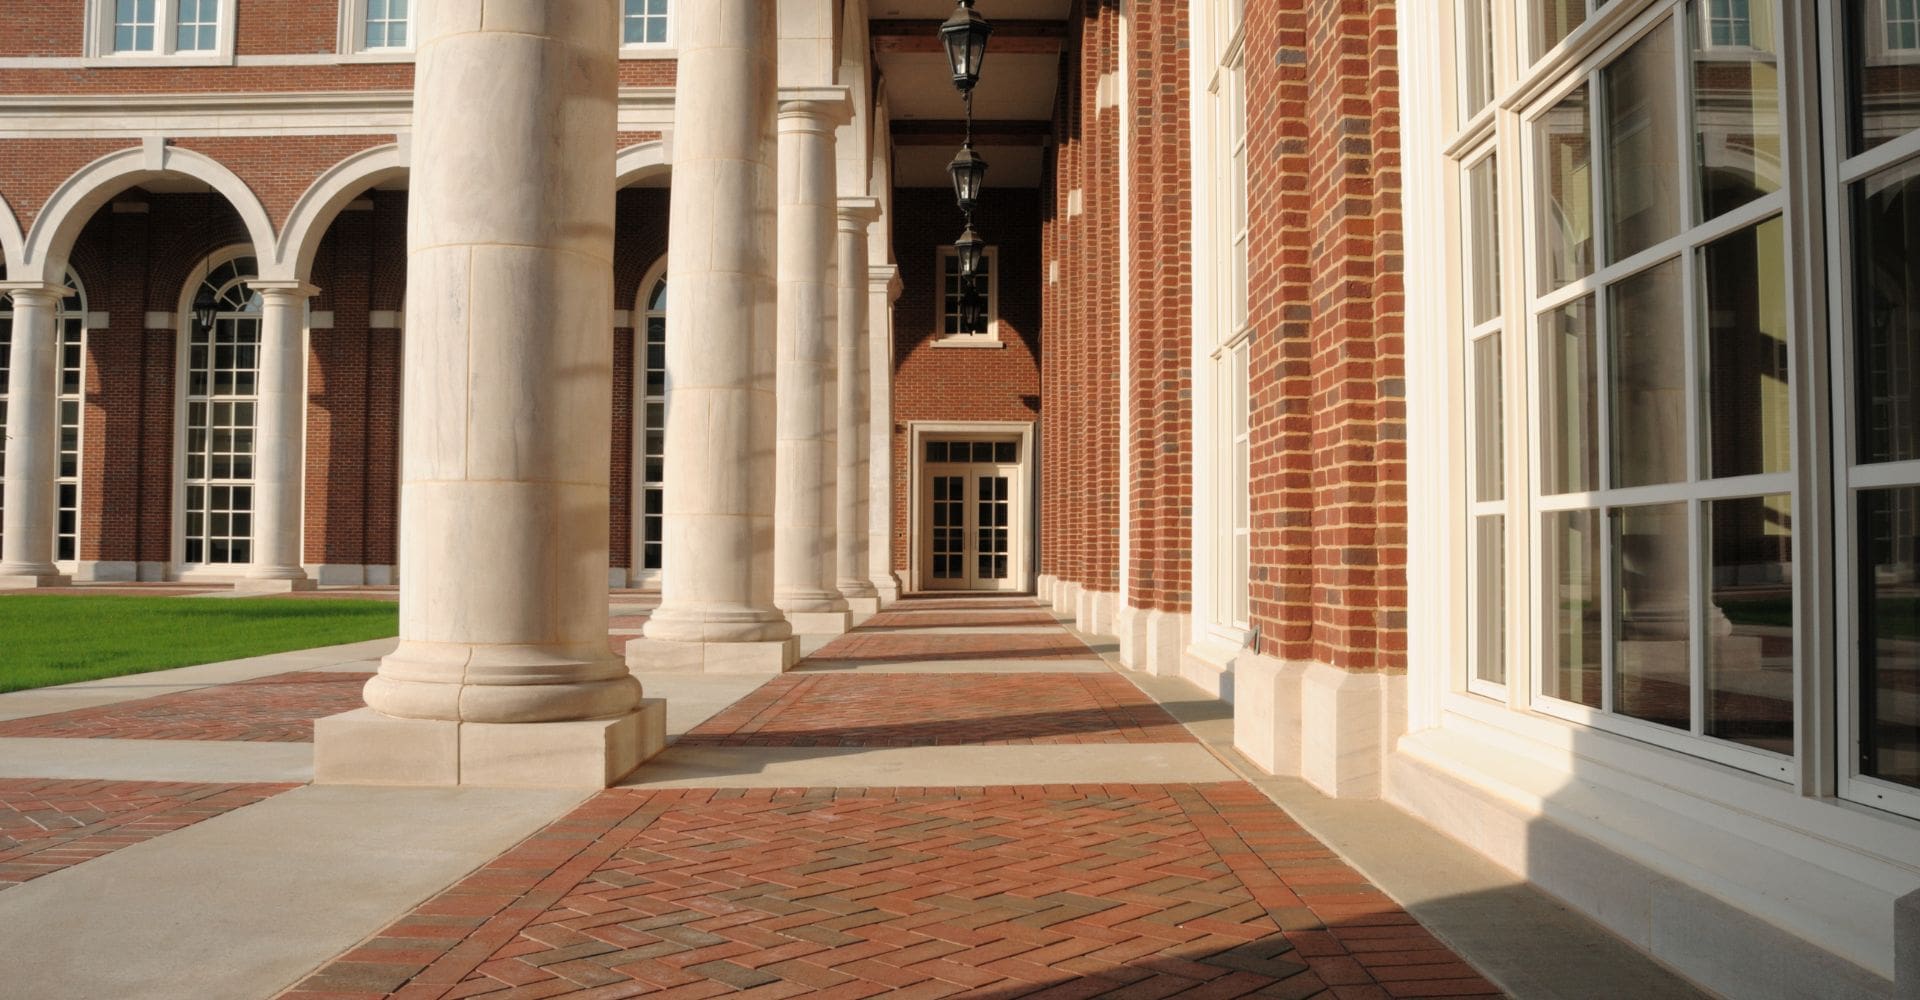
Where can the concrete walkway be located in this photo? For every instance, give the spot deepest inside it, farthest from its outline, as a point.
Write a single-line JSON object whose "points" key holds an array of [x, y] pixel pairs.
{"points": [[959, 798]]}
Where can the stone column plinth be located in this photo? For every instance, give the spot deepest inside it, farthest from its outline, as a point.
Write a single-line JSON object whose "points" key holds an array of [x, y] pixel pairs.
{"points": [[33, 440], [503, 675], [279, 463], [716, 589], [805, 574], [883, 287], [851, 529]]}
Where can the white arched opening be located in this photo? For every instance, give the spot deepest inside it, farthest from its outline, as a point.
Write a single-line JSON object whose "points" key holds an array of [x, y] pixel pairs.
{"points": [[216, 396], [322, 202], [641, 162], [649, 427], [75, 201], [12, 242]]}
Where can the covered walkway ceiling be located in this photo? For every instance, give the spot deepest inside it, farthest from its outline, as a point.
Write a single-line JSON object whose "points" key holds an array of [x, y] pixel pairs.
{"points": [[1013, 106]]}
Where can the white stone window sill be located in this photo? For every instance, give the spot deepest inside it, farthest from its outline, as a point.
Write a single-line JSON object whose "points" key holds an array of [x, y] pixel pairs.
{"points": [[649, 52], [973, 343]]}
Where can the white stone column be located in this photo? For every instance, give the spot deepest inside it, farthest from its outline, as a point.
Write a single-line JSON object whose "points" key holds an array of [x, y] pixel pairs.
{"points": [[33, 440], [279, 463], [503, 675], [854, 437], [883, 287], [716, 612], [806, 578]]}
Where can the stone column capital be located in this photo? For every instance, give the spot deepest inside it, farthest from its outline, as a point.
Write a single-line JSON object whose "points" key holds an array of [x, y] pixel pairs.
{"points": [[885, 278], [34, 293], [815, 108], [295, 290], [857, 212]]}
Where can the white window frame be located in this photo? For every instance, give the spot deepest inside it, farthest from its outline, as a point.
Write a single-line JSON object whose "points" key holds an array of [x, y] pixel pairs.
{"points": [[99, 48], [638, 574], [649, 50], [352, 41], [1222, 344], [181, 568], [991, 338]]}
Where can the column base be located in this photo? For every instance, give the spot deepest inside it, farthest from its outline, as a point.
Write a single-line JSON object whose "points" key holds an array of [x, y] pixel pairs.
{"points": [[1064, 594], [1093, 611], [263, 586], [888, 587], [650, 656], [863, 608], [820, 622], [363, 747], [1043, 587], [1330, 726], [35, 581]]}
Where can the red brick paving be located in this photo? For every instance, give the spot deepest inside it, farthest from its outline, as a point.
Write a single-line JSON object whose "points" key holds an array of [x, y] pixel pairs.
{"points": [[47, 825], [1056, 891], [883, 647], [902, 710], [277, 709], [984, 618]]}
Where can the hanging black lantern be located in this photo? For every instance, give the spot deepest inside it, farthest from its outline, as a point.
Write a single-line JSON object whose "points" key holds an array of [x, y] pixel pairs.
{"points": [[969, 173], [969, 249], [973, 308], [965, 34], [205, 307]]}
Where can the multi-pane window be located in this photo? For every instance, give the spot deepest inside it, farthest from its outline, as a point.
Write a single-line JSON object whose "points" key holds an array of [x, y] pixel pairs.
{"points": [[386, 24], [72, 324], [1663, 414], [1879, 470], [1902, 25], [1728, 23], [1229, 350], [643, 22], [194, 27], [653, 362], [953, 290], [162, 27], [222, 390], [135, 25], [1486, 445]]}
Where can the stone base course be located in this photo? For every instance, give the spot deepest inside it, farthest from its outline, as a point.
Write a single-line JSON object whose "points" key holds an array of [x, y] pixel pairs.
{"points": [[903, 710], [47, 825], [277, 709], [1036, 891]]}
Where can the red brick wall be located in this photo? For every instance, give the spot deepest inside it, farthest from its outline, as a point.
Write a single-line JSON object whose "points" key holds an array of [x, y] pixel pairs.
{"points": [[1159, 286], [276, 27], [934, 383], [1081, 495], [42, 28], [279, 169], [1328, 489]]}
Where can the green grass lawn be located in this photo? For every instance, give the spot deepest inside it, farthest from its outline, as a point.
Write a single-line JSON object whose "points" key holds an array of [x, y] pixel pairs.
{"points": [[56, 639]]}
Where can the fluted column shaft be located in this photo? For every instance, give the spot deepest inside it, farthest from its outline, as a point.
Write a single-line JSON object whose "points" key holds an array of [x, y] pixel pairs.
{"points": [[503, 604], [717, 558], [279, 458], [806, 577], [853, 438], [33, 440]]}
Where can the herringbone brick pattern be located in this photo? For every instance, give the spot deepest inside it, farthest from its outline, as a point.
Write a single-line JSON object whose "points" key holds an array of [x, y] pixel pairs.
{"points": [[935, 618], [1116, 891], [883, 647], [47, 825], [277, 709], [902, 710]]}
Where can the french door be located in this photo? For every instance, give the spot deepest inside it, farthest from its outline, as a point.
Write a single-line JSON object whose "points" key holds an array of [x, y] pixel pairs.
{"points": [[971, 515]]}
